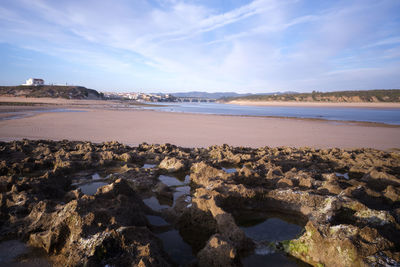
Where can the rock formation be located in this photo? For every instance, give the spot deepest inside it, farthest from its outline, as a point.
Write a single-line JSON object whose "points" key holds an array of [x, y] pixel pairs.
{"points": [[348, 200]]}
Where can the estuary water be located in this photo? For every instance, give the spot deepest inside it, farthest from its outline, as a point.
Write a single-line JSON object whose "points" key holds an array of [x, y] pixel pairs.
{"points": [[387, 115]]}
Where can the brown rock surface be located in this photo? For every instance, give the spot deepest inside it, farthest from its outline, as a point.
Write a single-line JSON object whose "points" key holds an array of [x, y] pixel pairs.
{"points": [[348, 200]]}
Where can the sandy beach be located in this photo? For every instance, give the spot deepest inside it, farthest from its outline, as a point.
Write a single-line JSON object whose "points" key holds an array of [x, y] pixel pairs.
{"points": [[99, 121]]}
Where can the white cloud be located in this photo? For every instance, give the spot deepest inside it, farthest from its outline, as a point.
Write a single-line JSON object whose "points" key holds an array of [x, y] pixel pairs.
{"points": [[264, 45]]}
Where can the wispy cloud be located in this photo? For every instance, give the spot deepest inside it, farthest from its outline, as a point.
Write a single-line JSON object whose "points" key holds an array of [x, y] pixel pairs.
{"points": [[259, 46]]}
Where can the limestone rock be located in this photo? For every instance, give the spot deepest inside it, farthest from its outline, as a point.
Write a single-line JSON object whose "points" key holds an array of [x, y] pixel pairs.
{"points": [[172, 164]]}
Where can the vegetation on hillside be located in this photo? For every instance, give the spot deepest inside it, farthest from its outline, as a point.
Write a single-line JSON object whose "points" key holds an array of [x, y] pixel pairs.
{"points": [[392, 95], [53, 91]]}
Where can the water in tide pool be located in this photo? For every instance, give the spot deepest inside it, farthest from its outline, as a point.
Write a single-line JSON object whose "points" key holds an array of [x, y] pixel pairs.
{"points": [[229, 170], [155, 204], [156, 220], [388, 115], [272, 229], [91, 188], [14, 253], [264, 231], [180, 187], [170, 180], [176, 247], [149, 166]]}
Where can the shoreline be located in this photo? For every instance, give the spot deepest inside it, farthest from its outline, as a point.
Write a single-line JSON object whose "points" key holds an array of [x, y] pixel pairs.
{"points": [[374, 105]]}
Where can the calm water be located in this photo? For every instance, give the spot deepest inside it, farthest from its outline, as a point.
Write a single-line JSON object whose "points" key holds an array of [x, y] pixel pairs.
{"points": [[91, 188], [176, 247], [272, 230], [388, 116], [263, 231], [14, 253]]}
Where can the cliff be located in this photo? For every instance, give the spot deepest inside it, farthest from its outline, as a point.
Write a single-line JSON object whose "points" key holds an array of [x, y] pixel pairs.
{"points": [[53, 91]]}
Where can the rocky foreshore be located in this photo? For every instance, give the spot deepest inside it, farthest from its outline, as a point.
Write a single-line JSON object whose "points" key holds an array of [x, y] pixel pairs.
{"points": [[347, 200]]}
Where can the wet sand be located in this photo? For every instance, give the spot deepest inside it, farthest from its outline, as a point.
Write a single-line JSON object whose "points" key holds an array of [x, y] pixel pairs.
{"points": [[193, 130]]}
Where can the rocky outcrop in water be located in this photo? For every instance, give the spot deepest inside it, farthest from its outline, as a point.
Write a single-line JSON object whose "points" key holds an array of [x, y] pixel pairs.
{"points": [[348, 201]]}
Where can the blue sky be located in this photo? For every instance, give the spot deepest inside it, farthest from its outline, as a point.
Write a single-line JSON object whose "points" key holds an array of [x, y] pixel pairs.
{"points": [[171, 45]]}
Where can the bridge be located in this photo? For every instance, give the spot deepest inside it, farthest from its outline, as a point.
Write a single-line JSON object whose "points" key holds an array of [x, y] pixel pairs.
{"points": [[195, 99]]}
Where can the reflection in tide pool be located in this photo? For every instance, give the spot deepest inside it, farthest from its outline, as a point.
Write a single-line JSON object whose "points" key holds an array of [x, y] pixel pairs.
{"points": [[229, 170], [91, 188], [170, 180], [177, 249], [180, 191], [96, 176], [270, 259], [149, 166], [343, 175], [10, 250], [272, 230], [264, 232], [16, 253], [154, 204], [156, 220]]}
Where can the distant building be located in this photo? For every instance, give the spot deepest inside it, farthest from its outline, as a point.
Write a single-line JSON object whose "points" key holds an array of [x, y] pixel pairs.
{"points": [[34, 81]]}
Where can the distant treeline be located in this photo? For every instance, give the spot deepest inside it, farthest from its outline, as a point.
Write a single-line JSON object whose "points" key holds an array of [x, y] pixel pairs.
{"points": [[53, 91], [392, 95]]}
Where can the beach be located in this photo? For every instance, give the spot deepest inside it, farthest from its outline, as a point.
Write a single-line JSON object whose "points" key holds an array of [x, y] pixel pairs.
{"points": [[99, 121]]}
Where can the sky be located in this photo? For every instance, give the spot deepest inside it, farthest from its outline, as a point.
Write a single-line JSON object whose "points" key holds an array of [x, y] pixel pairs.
{"points": [[257, 46]]}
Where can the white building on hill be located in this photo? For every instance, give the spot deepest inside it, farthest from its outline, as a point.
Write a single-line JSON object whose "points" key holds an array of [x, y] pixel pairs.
{"points": [[34, 81]]}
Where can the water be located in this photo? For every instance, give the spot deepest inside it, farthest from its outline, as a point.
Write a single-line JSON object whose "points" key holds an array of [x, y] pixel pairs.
{"points": [[181, 191], [149, 166], [272, 230], [154, 204], [11, 249], [387, 115], [229, 170], [91, 188], [176, 247], [14, 253], [265, 231], [343, 175], [272, 259], [156, 220], [170, 180], [173, 243], [96, 176]]}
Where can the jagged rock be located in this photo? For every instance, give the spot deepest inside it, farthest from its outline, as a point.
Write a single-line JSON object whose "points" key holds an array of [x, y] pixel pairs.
{"points": [[392, 193], [171, 164], [339, 245], [350, 221], [218, 252]]}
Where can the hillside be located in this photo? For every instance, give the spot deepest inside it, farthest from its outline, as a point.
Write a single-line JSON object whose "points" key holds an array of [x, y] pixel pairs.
{"points": [[392, 95], [53, 91]]}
